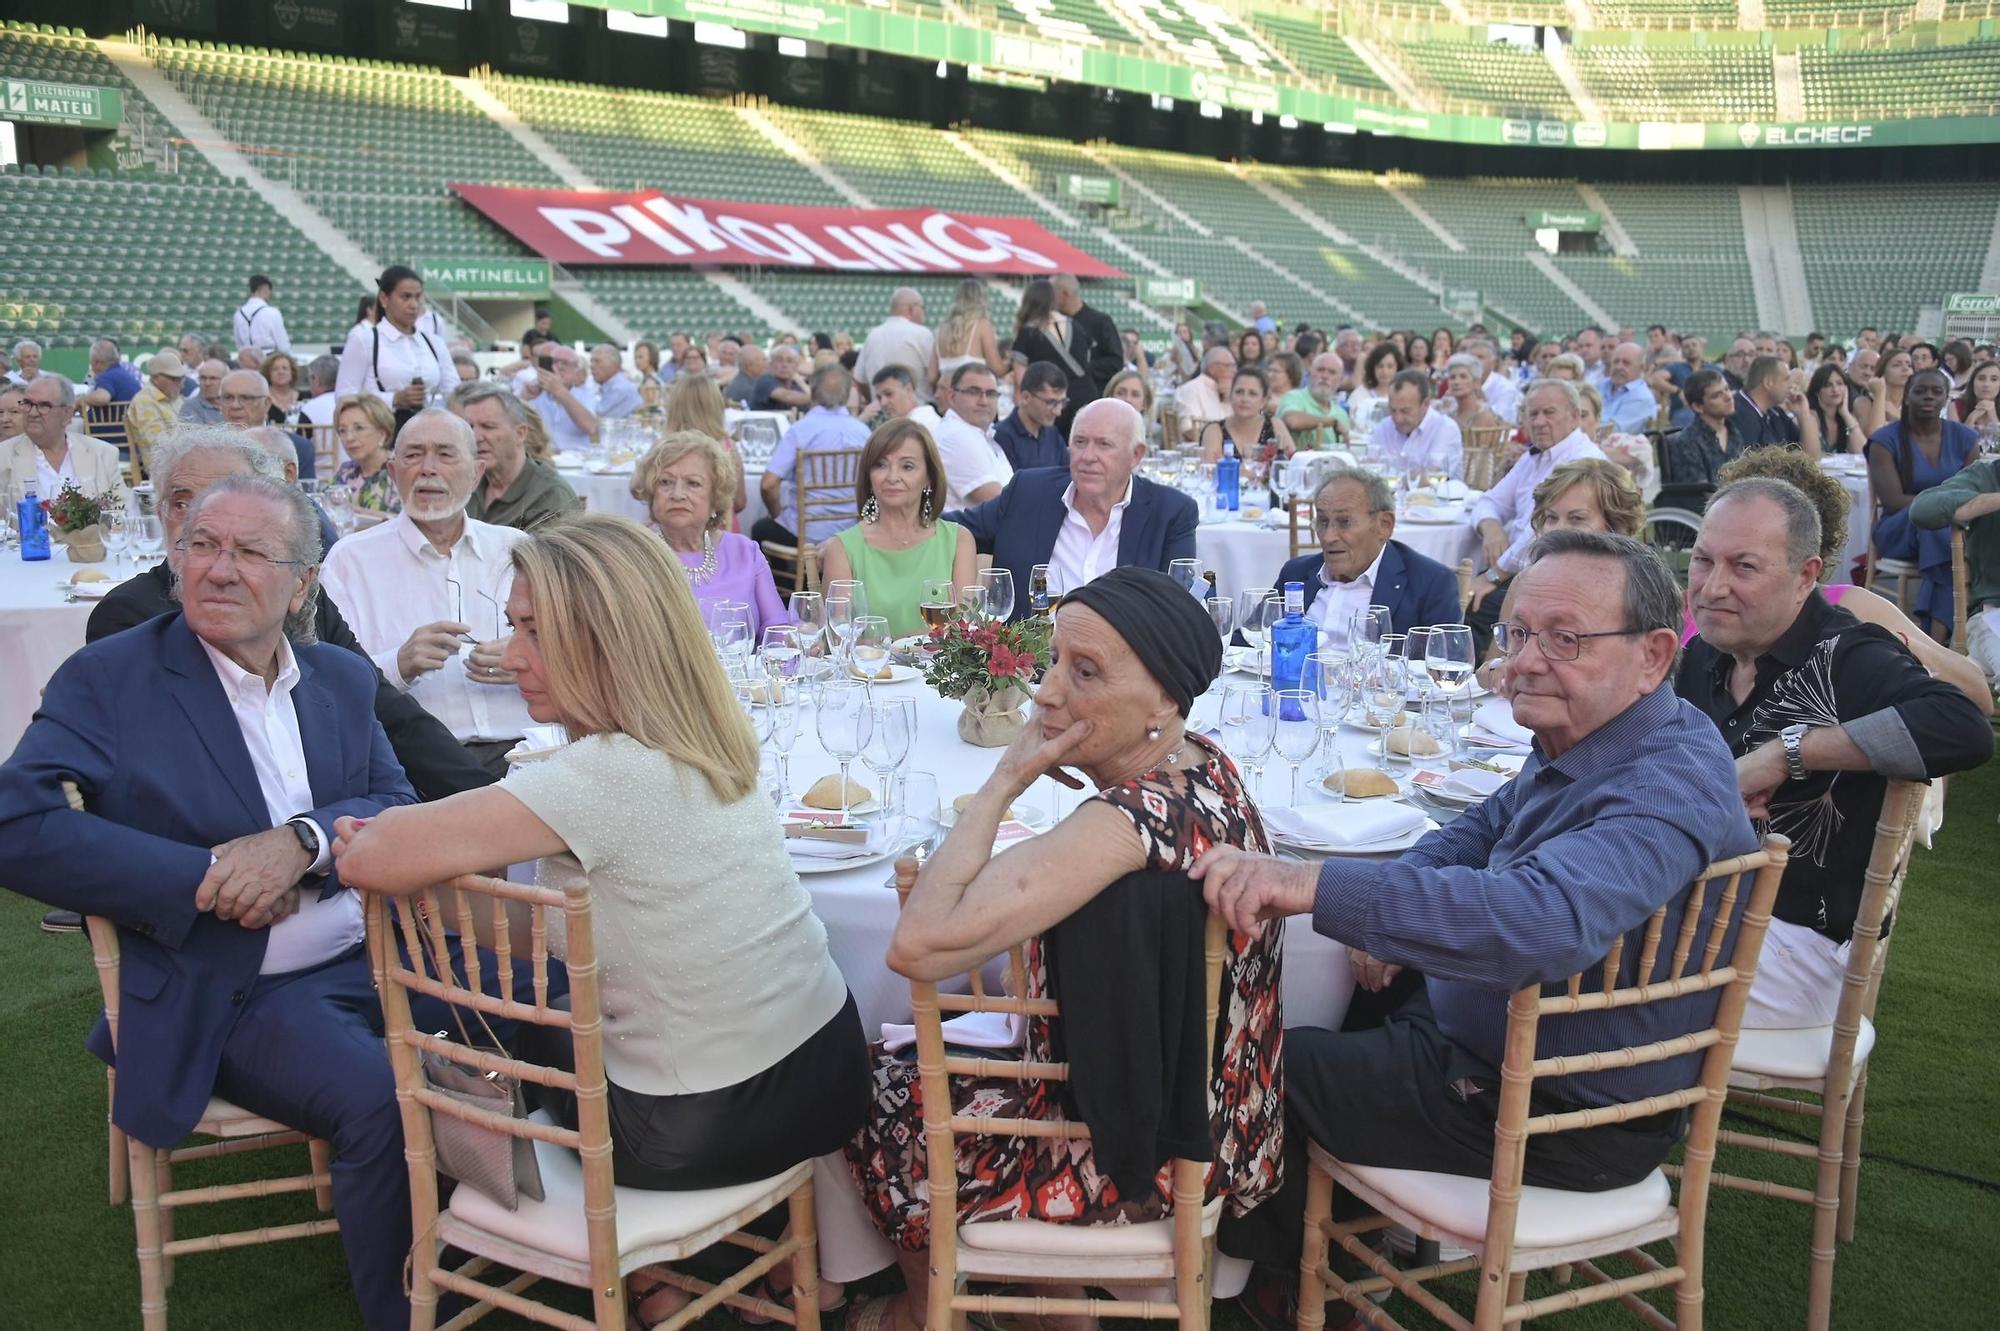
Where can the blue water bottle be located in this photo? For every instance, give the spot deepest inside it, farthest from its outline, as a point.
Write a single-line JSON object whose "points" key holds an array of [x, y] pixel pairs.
{"points": [[33, 524], [1293, 639], [1228, 476]]}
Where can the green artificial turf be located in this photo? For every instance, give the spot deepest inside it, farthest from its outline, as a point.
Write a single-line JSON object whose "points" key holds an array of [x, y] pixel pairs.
{"points": [[1923, 1257]]}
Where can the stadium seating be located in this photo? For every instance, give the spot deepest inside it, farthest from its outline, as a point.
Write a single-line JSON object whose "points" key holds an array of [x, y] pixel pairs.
{"points": [[1501, 78], [1833, 13], [1869, 260], [1618, 15], [1951, 80], [1710, 294], [1711, 83], [1318, 53]]}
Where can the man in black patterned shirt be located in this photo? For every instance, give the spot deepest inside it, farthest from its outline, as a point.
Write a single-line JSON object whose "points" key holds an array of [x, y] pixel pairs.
{"points": [[1822, 711]]}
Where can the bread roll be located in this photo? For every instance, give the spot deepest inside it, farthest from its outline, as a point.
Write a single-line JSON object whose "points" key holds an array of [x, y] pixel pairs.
{"points": [[960, 805], [1363, 783], [1405, 740], [83, 575], [825, 793]]}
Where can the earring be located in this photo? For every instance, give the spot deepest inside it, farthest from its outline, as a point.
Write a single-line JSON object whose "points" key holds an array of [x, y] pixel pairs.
{"points": [[925, 515], [1153, 733], [871, 511]]}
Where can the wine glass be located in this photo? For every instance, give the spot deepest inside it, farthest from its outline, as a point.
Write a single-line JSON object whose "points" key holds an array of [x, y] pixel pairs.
{"points": [[1186, 574], [869, 651], [998, 584], [1221, 613], [1247, 720], [815, 671], [1384, 694], [1439, 723], [1250, 613], [892, 728], [786, 720], [972, 603], [1367, 628], [843, 724], [779, 653], [148, 536], [1038, 589], [853, 590], [1417, 652], [117, 537], [919, 809], [1448, 657], [809, 615], [732, 642], [937, 603], [1295, 735], [841, 612], [1269, 613]]}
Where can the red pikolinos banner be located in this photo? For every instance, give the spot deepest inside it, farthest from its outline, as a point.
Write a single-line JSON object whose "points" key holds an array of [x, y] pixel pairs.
{"points": [[647, 227]]}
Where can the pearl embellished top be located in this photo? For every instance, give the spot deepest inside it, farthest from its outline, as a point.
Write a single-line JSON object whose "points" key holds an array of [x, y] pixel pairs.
{"points": [[712, 965]]}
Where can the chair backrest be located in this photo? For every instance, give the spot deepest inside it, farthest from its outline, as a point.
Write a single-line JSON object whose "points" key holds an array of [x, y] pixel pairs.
{"points": [[445, 966], [943, 1124], [1693, 964], [105, 422], [1299, 517], [1465, 588], [825, 482], [1881, 894], [1960, 585], [1482, 456], [325, 446]]}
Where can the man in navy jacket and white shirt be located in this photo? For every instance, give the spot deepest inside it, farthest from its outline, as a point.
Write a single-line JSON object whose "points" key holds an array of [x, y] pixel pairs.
{"points": [[1359, 564], [1087, 520]]}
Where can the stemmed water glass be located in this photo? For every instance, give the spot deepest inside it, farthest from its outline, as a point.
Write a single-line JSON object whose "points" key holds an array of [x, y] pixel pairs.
{"points": [[869, 651], [1186, 574], [809, 616], [1367, 629], [998, 584], [843, 722], [779, 654], [1449, 658], [841, 612], [1385, 691], [1295, 734], [148, 536], [1269, 612], [787, 719], [1221, 613], [1247, 720], [851, 588], [892, 728], [1250, 614], [117, 537]]}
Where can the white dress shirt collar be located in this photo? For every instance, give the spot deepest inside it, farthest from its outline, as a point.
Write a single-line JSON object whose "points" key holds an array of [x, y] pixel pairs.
{"points": [[1080, 555], [1337, 602]]}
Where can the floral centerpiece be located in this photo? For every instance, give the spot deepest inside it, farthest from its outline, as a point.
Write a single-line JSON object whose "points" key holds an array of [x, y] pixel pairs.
{"points": [[79, 519], [989, 665]]}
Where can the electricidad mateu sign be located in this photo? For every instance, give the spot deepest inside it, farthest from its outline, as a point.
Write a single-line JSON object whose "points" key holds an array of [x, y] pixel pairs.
{"points": [[79, 105]]}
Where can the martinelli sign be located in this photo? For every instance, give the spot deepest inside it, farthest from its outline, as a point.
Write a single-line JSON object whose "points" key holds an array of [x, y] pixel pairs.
{"points": [[647, 227]]}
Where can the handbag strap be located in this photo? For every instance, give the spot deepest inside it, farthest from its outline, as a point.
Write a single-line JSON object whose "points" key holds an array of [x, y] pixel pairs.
{"points": [[430, 948]]}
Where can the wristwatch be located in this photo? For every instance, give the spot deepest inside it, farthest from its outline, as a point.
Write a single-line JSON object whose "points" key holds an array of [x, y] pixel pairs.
{"points": [[309, 840], [1793, 738]]}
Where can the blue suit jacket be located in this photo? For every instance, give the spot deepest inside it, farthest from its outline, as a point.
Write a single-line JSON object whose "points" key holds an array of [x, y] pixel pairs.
{"points": [[1418, 590], [1018, 526], [140, 723]]}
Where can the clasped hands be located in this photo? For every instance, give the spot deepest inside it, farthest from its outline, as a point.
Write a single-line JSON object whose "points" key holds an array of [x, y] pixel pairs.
{"points": [[255, 879]]}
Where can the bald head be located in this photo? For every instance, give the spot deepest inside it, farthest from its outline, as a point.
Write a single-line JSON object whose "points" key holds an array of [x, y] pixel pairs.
{"points": [[1106, 441], [1627, 360], [907, 303]]}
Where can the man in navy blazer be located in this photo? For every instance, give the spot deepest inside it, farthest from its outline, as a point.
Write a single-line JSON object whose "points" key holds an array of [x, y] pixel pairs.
{"points": [[213, 756], [1359, 564], [1090, 519]]}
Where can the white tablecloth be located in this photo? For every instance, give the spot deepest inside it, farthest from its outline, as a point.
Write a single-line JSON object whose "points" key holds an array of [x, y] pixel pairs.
{"points": [[1249, 554], [38, 630], [611, 492], [1860, 501], [858, 907]]}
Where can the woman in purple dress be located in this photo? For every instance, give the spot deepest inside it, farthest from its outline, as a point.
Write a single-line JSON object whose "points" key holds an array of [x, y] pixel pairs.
{"points": [[688, 483]]}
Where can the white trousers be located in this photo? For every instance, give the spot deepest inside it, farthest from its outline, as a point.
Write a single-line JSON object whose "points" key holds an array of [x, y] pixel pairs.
{"points": [[1798, 979]]}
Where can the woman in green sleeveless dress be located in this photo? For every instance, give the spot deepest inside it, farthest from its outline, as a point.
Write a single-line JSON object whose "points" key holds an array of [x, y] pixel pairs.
{"points": [[900, 543]]}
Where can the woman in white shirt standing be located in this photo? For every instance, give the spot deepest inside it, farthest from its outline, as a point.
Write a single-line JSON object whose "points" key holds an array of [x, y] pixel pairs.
{"points": [[396, 359], [732, 1046]]}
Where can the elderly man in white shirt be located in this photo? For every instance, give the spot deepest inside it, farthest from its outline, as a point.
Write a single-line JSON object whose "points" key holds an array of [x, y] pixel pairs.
{"points": [[609, 395], [1412, 435], [975, 466], [557, 396], [424, 592], [1205, 397], [901, 339], [1552, 413]]}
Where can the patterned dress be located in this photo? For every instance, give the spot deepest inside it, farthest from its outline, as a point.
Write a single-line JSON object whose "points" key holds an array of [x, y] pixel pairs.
{"points": [[1179, 814], [376, 493]]}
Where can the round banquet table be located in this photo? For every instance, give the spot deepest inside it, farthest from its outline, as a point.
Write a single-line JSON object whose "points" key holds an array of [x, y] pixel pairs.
{"points": [[1249, 554], [38, 631], [611, 492], [858, 906]]}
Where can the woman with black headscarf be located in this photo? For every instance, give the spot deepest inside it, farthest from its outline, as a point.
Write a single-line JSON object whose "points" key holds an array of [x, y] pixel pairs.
{"points": [[1132, 652]]}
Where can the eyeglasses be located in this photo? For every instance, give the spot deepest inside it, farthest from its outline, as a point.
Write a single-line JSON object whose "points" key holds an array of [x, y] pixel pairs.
{"points": [[31, 405], [1557, 644], [1052, 403], [242, 399], [199, 550], [977, 392]]}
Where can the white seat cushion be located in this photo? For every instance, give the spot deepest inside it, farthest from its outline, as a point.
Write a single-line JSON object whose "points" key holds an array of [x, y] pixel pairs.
{"points": [[646, 1219], [1155, 1238], [223, 1119], [1549, 1217], [1896, 568], [1800, 1054]]}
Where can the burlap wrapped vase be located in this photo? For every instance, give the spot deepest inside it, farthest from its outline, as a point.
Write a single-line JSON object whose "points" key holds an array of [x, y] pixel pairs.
{"points": [[993, 717], [85, 545]]}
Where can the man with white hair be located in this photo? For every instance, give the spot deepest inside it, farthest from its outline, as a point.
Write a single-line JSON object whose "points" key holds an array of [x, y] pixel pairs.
{"points": [[426, 591], [901, 339], [1096, 516], [1260, 318], [555, 391], [46, 455], [245, 400], [514, 490], [27, 361], [204, 406], [780, 387], [1629, 404], [1311, 411], [1205, 397], [609, 394], [322, 372]]}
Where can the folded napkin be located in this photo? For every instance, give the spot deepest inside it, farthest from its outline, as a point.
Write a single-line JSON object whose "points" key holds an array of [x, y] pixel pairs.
{"points": [[1344, 826], [808, 848], [1472, 783], [1495, 717], [538, 742], [974, 1030]]}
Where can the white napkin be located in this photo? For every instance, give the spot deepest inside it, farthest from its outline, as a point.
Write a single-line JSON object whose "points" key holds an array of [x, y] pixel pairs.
{"points": [[1495, 717], [1349, 826], [1472, 783], [93, 591], [974, 1030], [811, 848], [538, 742]]}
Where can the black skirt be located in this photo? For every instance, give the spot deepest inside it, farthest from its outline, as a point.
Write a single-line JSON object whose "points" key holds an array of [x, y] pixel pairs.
{"points": [[807, 1104]]}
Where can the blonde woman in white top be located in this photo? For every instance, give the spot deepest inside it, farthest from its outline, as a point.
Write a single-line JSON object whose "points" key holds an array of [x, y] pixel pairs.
{"points": [[966, 336], [732, 1046]]}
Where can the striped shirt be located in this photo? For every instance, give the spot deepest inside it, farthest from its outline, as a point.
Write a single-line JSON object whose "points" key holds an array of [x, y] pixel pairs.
{"points": [[1535, 883]]}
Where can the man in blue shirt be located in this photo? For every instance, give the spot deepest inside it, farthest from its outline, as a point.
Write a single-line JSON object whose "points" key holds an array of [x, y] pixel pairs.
{"points": [[1628, 795], [1629, 405], [1029, 436], [112, 381], [609, 394], [828, 427]]}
